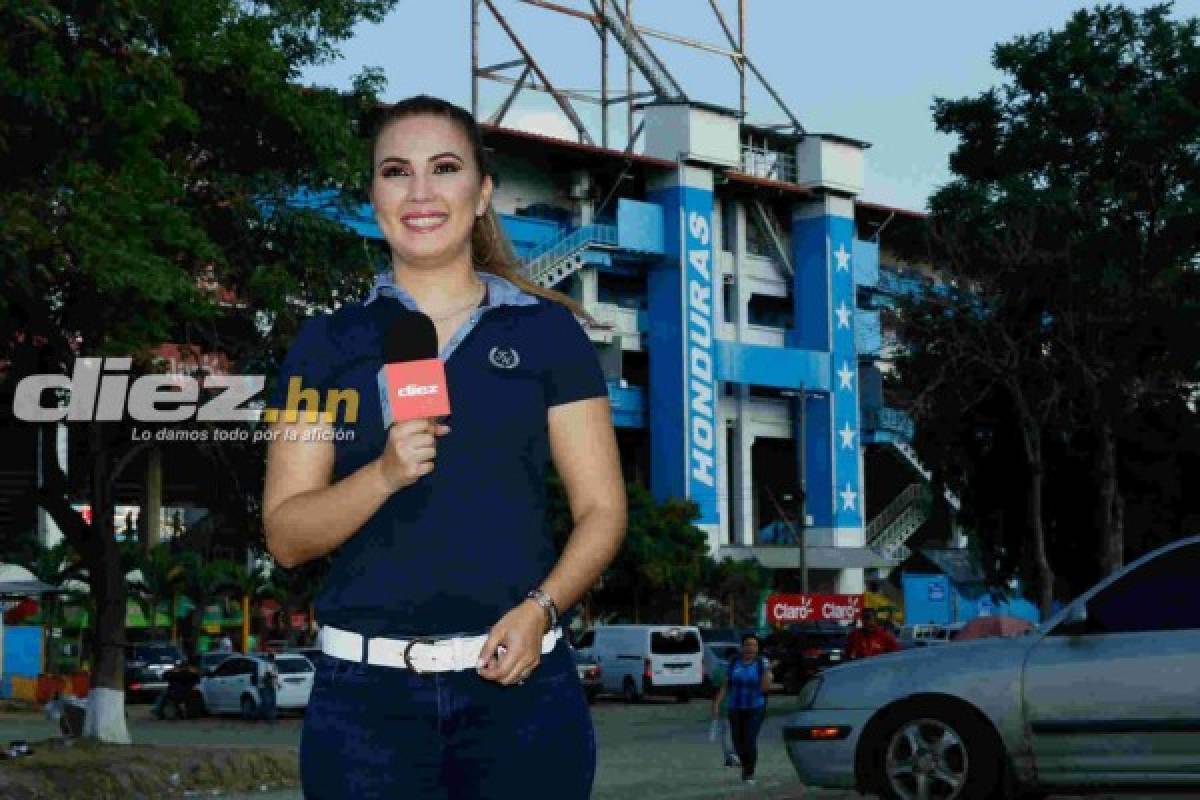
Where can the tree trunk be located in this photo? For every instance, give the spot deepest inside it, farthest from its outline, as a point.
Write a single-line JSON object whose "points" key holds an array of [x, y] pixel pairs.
{"points": [[1111, 511], [105, 718], [1032, 437]]}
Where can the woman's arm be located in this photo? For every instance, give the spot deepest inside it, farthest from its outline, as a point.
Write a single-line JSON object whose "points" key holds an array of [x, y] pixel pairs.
{"points": [[719, 697], [584, 449], [305, 516]]}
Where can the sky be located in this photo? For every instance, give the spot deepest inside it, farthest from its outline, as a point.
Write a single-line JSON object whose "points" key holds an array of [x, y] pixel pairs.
{"points": [[867, 70]]}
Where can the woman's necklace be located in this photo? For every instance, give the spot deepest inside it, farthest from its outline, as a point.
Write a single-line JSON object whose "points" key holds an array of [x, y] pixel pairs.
{"points": [[449, 314]]}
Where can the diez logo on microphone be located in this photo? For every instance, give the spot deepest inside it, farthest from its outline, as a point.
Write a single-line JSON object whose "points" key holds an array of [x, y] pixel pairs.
{"points": [[413, 390]]}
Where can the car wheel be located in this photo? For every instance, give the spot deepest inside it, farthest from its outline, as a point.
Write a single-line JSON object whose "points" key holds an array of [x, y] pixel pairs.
{"points": [[942, 754], [629, 690], [249, 707], [683, 697], [591, 695]]}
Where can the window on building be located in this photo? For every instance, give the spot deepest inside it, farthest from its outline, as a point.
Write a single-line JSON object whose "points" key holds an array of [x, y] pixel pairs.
{"points": [[626, 291], [635, 367], [731, 462], [728, 306], [770, 312], [728, 225]]}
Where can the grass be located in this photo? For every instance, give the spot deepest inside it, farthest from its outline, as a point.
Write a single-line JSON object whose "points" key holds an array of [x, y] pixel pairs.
{"points": [[89, 770]]}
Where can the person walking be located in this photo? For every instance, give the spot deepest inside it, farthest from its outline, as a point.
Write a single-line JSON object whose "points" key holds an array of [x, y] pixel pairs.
{"points": [[747, 681], [268, 689], [445, 675], [871, 639]]}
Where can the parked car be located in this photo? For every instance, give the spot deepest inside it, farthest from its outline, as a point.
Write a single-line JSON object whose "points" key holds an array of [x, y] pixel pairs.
{"points": [[926, 634], [1105, 696], [233, 687], [313, 654], [209, 661], [717, 654], [801, 651], [641, 660], [146, 664], [589, 671]]}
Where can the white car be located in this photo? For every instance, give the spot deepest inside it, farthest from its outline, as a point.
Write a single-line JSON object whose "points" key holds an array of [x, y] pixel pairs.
{"points": [[1104, 696], [641, 660], [232, 688]]}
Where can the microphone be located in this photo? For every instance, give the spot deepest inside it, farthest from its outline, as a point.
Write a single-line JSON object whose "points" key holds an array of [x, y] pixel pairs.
{"points": [[412, 380]]}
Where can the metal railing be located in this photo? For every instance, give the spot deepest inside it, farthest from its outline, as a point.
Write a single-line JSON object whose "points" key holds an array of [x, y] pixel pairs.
{"points": [[894, 509], [762, 162], [543, 261], [889, 420]]}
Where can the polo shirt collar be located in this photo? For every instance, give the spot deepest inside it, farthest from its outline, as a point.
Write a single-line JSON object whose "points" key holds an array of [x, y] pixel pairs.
{"points": [[500, 291]]}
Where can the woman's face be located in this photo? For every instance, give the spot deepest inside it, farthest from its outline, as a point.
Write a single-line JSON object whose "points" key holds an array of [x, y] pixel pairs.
{"points": [[426, 190], [750, 649]]}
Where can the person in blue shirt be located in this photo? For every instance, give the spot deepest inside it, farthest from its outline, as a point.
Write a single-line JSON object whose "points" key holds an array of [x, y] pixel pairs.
{"points": [[747, 681], [444, 673]]}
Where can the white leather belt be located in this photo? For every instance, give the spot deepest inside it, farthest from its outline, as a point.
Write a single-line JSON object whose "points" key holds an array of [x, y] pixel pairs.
{"points": [[418, 655]]}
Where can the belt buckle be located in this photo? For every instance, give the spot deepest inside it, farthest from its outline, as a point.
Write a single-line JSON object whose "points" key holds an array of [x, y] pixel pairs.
{"points": [[408, 649]]}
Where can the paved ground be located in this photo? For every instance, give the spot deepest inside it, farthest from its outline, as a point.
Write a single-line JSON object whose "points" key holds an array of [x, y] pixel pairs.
{"points": [[658, 750]]}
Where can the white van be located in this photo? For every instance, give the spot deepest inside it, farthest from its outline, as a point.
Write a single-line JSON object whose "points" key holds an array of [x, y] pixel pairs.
{"points": [[640, 660]]}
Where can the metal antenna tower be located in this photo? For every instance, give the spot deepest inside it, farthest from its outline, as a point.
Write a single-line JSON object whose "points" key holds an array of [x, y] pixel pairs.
{"points": [[612, 20]]}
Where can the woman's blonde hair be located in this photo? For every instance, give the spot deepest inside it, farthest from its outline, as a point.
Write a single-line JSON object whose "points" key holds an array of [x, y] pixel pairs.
{"points": [[491, 250]]}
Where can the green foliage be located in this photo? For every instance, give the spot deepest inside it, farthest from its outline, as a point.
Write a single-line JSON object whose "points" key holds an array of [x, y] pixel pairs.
{"points": [[736, 587], [663, 556], [1068, 240]]}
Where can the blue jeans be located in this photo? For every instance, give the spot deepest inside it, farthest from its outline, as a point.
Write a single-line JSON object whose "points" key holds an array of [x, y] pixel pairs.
{"points": [[745, 724], [380, 732]]}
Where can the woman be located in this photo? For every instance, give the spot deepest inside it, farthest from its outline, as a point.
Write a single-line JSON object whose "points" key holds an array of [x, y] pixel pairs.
{"points": [[747, 681], [444, 673]]}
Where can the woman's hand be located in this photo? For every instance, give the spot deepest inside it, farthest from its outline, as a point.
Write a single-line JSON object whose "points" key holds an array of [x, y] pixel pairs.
{"points": [[514, 645], [409, 453]]}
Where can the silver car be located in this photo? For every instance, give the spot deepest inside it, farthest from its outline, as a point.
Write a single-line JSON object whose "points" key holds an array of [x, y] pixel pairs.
{"points": [[1106, 695]]}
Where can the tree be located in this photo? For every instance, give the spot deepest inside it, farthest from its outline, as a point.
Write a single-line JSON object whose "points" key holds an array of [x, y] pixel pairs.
{"points": [[247, 584], [204, 582], [661, 560], [149, 149], [1069, 231], [737, 585], [160, 576]]}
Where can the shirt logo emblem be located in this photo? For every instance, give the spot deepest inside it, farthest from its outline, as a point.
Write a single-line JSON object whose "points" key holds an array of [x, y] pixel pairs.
{"points": [[504, 358]]}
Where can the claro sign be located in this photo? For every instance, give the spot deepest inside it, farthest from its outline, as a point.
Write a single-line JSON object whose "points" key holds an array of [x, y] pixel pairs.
{"points": [[783, 609]]}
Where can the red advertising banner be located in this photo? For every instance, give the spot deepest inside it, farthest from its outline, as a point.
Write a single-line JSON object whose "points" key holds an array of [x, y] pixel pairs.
{"points": [[784, 609]]}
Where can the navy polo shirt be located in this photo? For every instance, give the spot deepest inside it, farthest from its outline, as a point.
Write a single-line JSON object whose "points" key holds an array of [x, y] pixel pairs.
{"points": [[459, 548]]}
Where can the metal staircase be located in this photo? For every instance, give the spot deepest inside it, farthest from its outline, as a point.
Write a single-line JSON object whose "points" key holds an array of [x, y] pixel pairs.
{"points": [[910, 455], [887, 533], [558, 259], [647, 63], [770, 227]]}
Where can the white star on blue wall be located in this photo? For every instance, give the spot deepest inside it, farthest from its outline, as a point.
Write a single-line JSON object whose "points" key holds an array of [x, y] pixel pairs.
{"points": [[849, 498], [843, 258], [847, 434], [845, 376], [843, 315]]}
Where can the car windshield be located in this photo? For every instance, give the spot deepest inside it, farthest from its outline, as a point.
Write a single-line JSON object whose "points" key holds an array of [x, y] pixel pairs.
{"points": [[674, 643], [292, 665], [157, 653]]}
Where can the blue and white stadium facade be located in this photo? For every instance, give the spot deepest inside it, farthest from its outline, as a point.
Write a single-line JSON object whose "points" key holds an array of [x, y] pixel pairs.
{"points": [[738, 288]]}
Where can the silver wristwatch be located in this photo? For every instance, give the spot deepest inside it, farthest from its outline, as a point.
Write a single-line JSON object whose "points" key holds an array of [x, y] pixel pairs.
{"points": [[547, 603]]}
